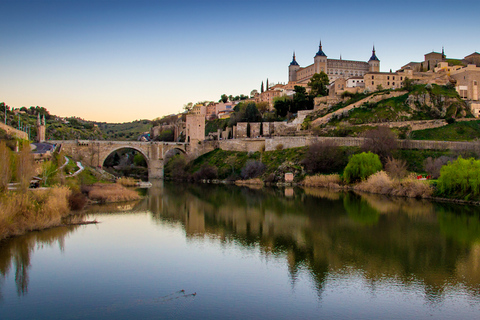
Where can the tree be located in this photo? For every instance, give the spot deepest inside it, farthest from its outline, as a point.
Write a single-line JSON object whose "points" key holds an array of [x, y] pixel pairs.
{"points": [[318, 84], [361, 166], [223, 98], [253, 93], [381, 141], [263, 107], [324, 157], [24, 167], [261, 88], [282, 106], [188, 107], [300, 100], [251, 113], [407, 84], [5, 166]]}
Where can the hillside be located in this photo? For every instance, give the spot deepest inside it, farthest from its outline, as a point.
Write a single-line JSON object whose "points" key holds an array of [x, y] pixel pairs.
{"points": [[421, 103], [124, 131]]}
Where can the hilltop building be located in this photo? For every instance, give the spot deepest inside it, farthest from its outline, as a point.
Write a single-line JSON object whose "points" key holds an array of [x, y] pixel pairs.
{"points": [[334, 68]]}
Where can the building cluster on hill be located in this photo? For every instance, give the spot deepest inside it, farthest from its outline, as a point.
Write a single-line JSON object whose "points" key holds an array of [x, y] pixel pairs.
{"points": [[359, 76]]}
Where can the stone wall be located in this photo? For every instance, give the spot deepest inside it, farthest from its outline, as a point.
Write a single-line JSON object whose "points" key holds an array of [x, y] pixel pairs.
{"points": [[14, 132], [255, 129], [242, 145], [241, 130]]}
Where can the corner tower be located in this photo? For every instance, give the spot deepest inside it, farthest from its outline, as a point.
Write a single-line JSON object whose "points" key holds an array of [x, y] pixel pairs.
{"points": [[292, 69], [320, 60], [374, 62]]}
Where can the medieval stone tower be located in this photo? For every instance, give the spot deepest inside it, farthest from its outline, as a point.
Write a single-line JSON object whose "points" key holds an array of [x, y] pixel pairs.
{"points": [[292, 69], [320, 60], [41, 124], [374, 62]]}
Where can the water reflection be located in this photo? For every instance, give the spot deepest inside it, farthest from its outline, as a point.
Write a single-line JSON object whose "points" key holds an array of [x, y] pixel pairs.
{"points": [[16, 253], [416, 242]]}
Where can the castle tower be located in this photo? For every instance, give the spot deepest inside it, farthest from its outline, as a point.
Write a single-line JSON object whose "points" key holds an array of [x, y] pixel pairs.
{"points": [[41, 129], [374, 62], [320, 60], [292, 69]]}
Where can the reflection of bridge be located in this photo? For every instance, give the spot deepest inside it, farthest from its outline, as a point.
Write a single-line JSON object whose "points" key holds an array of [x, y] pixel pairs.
{"points": [[94, 153]]}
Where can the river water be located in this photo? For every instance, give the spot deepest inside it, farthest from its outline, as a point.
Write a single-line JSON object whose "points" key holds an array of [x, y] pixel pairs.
{"points": [[225, 252]]}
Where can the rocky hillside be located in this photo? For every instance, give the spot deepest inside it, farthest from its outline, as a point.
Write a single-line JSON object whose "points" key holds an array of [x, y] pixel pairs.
{"points": [[423, 102]]}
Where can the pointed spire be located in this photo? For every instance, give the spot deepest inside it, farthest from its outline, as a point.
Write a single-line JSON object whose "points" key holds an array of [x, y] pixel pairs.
{"points": [[294, 61], [320, 51], [374, 56], [43, 120], [340, 56]]}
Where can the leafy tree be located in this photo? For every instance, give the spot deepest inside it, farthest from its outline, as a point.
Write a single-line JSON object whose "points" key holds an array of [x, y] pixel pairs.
{"points": [[460, 178], [407, 84], [361, 166], [188, 107], [301, 101], [263, 107], [282, 106], [223, 98], [251, 113], [253, 93], [318, 84], [261, 88]]}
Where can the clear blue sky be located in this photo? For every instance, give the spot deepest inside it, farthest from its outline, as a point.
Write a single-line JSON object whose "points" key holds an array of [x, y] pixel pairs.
{"points": [[118, 61]]}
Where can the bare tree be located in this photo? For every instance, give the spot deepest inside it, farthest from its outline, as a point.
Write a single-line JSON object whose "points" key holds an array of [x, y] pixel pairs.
{"points": [[381, 141], [25, 167], [5, 167]]}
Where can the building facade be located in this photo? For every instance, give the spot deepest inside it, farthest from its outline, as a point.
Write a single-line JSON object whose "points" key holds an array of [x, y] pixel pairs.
{"points": [[334, 68]]}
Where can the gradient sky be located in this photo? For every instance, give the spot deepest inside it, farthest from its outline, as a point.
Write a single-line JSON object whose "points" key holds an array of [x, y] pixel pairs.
{"points": [[119, 61]]}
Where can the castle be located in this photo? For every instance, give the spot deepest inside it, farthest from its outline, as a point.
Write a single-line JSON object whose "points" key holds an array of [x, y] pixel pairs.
{"points": [[334, 68]]}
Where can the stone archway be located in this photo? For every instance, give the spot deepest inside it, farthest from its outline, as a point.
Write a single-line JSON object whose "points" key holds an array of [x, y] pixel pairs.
{"points": [[128, 165]]}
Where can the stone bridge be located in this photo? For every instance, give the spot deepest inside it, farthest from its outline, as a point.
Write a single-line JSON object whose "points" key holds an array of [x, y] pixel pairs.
{"points": [[94, 153]]}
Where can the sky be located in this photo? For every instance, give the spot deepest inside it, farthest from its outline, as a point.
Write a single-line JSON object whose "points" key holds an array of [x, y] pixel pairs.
{"points": [[119, 61]]}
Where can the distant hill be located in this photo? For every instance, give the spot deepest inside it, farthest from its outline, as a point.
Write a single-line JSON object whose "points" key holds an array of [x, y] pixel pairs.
{"points": [[71, 128], [124, 131]]}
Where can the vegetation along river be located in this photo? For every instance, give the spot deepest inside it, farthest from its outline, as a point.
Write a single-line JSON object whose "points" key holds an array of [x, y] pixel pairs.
{"points": [[226, 252]]}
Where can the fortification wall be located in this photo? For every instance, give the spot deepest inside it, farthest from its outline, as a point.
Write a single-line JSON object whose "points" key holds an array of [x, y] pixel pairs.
{"points": [[278, 143], [242, 145], [14, 132]]}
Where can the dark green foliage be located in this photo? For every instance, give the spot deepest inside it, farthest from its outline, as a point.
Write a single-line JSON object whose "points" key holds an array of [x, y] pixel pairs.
{"points": [[361, 166], [460, 179], [176, 168], [301, 101], [282, 106], [139, 160], [214, 125], [416, 158], [318, 84]]}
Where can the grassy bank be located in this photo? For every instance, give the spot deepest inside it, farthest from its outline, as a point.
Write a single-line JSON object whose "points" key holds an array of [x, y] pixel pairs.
{"points": [[32, 210]]}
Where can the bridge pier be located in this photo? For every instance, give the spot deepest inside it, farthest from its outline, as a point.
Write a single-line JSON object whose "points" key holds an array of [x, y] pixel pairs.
{"points": [[155, 169]]}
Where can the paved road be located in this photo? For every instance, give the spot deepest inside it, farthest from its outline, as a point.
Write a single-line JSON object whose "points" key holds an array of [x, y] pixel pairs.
{"points": [[43, 147]]}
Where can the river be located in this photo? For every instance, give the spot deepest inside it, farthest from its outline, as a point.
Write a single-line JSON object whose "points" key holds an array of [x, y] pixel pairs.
{"points": [[191, 251]]}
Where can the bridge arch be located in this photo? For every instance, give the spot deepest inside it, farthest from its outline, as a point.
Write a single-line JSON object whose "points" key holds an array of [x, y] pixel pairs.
{"points": [[109, 152]]}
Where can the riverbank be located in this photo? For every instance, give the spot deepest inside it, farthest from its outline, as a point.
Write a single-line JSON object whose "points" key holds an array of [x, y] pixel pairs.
{"points": [[32, 210]]}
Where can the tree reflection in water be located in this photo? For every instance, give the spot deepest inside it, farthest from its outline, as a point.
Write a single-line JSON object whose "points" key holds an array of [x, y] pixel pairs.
{"points": [[16, 252], [416, 242]]}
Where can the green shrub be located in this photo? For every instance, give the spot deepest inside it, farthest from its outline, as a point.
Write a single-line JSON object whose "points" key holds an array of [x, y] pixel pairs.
{"points": [[460, 179], [361, 166]]}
